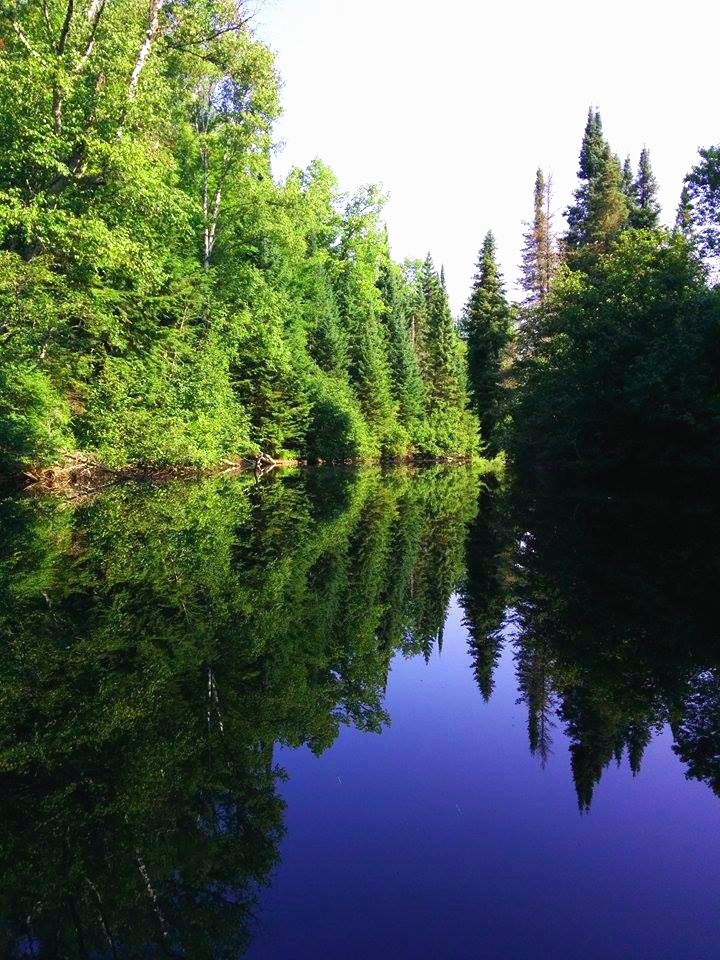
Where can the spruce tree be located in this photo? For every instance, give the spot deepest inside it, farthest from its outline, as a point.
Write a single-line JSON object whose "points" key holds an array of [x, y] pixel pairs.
{"points": [[592, 161], [602, 204], [628, 179], [486, 325], [327, 341], [539, 254], [608, 208], [447, 383], [646, 210], [684, 219], [406, 381]]}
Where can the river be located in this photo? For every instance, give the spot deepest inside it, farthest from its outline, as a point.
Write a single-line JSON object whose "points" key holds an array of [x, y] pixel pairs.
{"points": [[355, 713]]}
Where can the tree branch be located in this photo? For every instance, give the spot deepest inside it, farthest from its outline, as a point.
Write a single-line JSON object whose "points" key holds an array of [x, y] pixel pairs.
{"points": [[231, 28], [97, 8], [25, 42], [48, 25], [65, 27]]}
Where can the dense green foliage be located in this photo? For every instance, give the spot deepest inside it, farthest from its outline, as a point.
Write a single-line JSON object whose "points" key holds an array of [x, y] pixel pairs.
{"points": [[617, 361], [163, 298]]}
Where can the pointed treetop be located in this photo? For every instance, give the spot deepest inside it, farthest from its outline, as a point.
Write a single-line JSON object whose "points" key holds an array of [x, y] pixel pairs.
{"points": [[685, 214], [591, 151], [628, 178], [645, 194]]}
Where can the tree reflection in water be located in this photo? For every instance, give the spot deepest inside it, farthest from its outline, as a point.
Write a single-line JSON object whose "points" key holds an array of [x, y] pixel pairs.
{"points": [[159, 642]]}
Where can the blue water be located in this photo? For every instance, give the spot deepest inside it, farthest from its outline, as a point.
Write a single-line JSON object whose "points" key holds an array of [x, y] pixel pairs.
{"points": [[363, 714], [443, 837]]}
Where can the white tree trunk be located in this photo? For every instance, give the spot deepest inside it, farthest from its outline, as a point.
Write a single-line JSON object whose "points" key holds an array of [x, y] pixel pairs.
{"points": [[150, 34]]}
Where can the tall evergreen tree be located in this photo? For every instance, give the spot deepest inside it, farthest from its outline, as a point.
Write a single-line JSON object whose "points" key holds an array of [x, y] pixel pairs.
{"points": [[592, 161], [487, 325], [407, 386], [646, 211], [684, 218], [446, 387], [539, 253], [608, 208], [628, 179], [602, 206]]}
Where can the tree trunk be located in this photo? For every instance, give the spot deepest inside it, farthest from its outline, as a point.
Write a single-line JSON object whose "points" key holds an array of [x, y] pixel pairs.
{"points": [[144, 52]]}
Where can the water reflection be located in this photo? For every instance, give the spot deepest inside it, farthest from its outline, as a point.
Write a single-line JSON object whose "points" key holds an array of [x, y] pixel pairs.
{"points": [[158, 642], [615, 607], [161, 642]]}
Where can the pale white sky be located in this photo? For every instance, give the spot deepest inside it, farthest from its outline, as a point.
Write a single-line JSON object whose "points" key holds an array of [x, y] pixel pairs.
{"points": [[452, 105]]}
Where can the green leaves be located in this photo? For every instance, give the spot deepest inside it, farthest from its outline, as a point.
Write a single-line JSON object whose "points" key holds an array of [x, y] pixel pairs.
{"points": [[181, 306]]}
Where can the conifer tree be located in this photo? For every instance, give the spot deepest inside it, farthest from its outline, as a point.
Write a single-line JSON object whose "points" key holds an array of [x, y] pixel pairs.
{"points": [[602, 206], [327, 342], [406, 381], [592, 161], [628, 179], [446, 387], [684, 218], [486, 325], [646, 210], [608, 208], [539, 253]]}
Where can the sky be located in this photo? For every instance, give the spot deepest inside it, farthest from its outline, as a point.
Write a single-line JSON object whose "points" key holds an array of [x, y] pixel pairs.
{"points": [[452, 106]]}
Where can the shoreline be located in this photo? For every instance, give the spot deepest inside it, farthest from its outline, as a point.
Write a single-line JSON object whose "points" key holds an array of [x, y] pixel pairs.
{"points": [[81, 475]]}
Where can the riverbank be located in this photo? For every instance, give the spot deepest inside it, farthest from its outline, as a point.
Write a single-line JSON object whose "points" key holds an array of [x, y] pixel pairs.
{"points": [[81, 474]]}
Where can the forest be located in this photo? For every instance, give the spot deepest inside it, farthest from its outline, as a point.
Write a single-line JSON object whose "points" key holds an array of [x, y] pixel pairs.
{"points": [[166, 300]]}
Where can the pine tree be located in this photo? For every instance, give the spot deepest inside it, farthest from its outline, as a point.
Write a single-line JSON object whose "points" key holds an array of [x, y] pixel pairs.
{"points": [[608, 208], [539, 253], [684, 219], [646, 211], [447, 382], [602, 205], [592, 161], [406, 381], [327, 342], [486, 325], [628, 179]]}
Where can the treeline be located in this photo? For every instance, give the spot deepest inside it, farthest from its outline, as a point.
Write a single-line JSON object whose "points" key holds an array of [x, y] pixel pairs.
{"points": [[160, 642], [163, 299], [612, 361]]}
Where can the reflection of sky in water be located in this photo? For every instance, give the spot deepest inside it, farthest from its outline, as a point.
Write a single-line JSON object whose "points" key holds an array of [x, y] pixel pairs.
{"points": [[444, 838]]}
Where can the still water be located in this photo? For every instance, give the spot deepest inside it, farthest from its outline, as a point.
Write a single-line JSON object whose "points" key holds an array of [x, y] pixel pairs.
{"points": [[359, 714]]}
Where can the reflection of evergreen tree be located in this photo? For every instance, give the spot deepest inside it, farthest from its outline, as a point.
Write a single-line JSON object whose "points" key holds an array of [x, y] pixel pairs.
{"points": [[535, 683], [160, 641], [697, 734], [484, 589], [618, 613], [448, 506]]}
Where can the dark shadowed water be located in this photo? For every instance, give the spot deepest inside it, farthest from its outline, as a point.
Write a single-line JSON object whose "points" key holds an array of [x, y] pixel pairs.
{"points": [[359, 714]]}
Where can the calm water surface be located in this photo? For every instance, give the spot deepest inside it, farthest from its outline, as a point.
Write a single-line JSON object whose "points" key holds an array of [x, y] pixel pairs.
{"points": [[359, 714]]}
